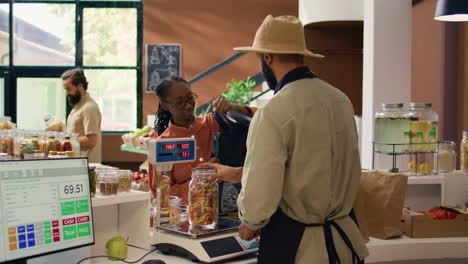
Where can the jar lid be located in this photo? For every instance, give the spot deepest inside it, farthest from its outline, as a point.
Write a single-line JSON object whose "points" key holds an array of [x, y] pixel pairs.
{"points": [[447, 142], [125, 173], [392, 106], [407, 133], [433, 133], [419, 133], [204, 171], [415, 106], [110, 176]]}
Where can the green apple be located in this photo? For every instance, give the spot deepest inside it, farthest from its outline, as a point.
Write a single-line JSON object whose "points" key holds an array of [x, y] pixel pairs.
{"points": [[116, 248]]}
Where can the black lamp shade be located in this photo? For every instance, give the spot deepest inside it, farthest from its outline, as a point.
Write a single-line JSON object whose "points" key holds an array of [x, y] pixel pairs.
{"points": [[451, 10]]}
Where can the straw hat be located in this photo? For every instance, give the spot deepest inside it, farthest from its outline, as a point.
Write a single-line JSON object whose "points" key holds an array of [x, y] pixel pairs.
{"points": [[280, 35]]}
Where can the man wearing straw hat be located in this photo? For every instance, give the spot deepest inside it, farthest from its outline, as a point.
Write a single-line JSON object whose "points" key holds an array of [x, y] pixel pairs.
{"points": [[302, 168]]}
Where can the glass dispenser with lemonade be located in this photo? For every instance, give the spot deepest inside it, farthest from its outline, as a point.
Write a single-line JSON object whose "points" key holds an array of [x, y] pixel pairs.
{"points": [[391, 127], [424, 124]]}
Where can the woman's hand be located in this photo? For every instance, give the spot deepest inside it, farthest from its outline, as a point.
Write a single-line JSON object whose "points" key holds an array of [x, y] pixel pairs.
{"points": [[224, 173]]}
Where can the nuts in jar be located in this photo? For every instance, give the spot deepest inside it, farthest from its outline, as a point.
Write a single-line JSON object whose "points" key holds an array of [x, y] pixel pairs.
{"points": [[125, 182], [109, 183]]}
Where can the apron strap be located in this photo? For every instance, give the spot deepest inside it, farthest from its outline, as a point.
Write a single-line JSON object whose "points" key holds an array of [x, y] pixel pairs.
{"points": [[330, 244]]}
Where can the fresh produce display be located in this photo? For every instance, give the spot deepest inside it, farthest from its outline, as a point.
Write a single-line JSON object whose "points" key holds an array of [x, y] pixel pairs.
{"points": [[441, 214], [139, 138], [203, 203]]}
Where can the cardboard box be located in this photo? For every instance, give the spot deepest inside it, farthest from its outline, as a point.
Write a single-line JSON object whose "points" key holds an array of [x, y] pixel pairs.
{"points": [[417, 225]]}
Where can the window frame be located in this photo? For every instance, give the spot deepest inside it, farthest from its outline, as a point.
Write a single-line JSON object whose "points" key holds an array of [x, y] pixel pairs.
{"points": [[11, 72]]}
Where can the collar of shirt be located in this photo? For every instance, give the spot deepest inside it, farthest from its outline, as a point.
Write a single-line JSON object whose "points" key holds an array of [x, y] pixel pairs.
{"points": [[195, 127], [295, 75]]}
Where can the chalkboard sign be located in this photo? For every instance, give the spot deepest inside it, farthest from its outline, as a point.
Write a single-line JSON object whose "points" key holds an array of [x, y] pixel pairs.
{"points": [[163, 60]]}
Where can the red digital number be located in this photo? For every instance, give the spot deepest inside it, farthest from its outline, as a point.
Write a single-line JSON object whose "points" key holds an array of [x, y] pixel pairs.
{"points": [[185, 154], [185, 146], [169, 147]]}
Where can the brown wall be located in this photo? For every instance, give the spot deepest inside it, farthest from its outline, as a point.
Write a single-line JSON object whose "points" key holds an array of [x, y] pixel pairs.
{"points": [[462, 94], [342, 45], [434, 67], [208, 31]]}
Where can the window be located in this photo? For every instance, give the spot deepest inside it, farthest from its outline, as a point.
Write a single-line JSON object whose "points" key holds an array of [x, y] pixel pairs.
{"points": [[109, 37], [46, 95], [2, 96], [44, 34], [104, 37], [116, 101], [4, 34]]}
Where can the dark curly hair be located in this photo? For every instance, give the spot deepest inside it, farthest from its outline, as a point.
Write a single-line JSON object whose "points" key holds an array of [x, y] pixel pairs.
{"points": [[163, 117]]}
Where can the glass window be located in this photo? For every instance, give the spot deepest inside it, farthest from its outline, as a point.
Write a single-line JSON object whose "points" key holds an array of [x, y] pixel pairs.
{"points": [[115, 93], [4, 34], [2, 96], [38, 97], [44, 34], [109, 36]]}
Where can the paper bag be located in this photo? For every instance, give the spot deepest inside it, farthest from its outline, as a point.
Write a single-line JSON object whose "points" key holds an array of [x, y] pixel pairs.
{"points": [[384, 196], [360, 213]]}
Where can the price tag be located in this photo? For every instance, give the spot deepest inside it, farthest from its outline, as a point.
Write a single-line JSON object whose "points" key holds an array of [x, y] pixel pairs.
{"points": [[73, 190]]}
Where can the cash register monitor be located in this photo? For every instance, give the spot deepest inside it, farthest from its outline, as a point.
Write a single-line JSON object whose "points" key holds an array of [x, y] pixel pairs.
{"points": [[45, 207]]}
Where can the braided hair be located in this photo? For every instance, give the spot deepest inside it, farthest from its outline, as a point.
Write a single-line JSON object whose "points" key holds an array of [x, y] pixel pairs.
{"points": [[163, 117]]}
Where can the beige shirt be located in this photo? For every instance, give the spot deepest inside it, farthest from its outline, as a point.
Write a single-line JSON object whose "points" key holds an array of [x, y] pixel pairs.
{"points": [[85, 120], [303, 157]]}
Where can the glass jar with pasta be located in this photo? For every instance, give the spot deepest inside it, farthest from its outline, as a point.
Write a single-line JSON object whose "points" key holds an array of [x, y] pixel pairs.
{"points": [[165, 192], [203, 198]]}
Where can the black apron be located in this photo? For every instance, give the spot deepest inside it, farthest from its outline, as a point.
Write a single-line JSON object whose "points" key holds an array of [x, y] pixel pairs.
{"points": [[282, 236]]}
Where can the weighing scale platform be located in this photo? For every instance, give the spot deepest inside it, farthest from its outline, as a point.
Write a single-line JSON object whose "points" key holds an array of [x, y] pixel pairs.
{"points": [[205, 245]]}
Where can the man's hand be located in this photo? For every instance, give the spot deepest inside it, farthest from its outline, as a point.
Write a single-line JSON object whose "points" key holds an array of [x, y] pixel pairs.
{"points": [[221, 105], [246, 234], [225, 173]]}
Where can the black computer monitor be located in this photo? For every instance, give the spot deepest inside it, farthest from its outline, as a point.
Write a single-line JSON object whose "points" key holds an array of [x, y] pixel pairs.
{"points": [[45, 207]]}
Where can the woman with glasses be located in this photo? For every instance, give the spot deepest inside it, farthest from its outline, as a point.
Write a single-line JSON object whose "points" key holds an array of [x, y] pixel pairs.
{"points": [[175, 119]]}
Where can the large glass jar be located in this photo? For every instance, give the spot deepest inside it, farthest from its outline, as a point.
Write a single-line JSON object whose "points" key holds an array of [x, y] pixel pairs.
{"points": [[464, 152], [7, 142], [19, 137], [203, 198], [109, 183], [174, 211], [165, 192], [423, 119], [125, 183], [391, 127], [447, 157], [92, 180], [75, 145]]}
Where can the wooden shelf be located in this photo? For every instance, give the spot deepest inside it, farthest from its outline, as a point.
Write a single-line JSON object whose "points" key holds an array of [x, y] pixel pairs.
{"points": [[132, 196], [429, 179], [406, 248], [133, 150]]}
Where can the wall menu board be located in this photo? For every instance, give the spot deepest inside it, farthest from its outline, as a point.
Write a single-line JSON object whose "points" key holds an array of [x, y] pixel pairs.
{"points": [[163, 60]]}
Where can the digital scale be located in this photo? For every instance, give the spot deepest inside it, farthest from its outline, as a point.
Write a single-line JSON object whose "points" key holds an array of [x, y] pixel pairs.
{"points": [[199, 245]]}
